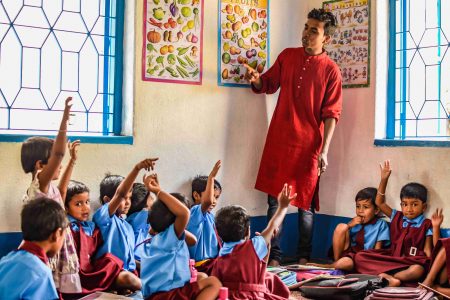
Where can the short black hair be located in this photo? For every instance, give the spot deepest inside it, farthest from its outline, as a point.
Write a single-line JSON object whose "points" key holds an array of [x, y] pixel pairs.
{"points": [[138, 198], [232, 223], [324, 16], [40, 218], [199, 184], [160, 218], [75, 188], [34, 149], [367, 193], [109, 185], [414, 190]]}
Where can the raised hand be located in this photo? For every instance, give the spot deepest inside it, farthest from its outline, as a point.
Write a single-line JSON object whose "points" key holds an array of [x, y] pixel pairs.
{"points": [[152, 183], [285, 197], [215, 169], [385, 169], [147, 164], [73, 149], [67, 107], [437, 218]]}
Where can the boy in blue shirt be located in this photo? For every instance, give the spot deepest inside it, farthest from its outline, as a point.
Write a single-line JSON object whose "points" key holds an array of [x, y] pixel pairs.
{"points": [[165, 271], [25, 273], [205, 193]]}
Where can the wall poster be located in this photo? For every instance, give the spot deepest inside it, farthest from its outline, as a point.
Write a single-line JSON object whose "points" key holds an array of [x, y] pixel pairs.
{"points": [[243, 38], [173, 41], [350, 45]]}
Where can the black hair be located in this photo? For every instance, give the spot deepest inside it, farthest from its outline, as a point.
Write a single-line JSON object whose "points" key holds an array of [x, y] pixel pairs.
{"points": [[160, 218], [232, 223], [414, 190], [138, 198], [34, 149], [367, 193], [324, 16], [199, 185], [40, 218], [75, 188], [109, 185]]}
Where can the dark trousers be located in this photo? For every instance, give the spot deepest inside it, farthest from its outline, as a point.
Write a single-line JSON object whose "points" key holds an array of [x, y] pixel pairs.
{"points": [[305, 230]]}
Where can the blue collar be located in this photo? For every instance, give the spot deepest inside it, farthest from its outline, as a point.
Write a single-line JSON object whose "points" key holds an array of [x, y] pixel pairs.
{"points": [[88, 227], [417, 220]]}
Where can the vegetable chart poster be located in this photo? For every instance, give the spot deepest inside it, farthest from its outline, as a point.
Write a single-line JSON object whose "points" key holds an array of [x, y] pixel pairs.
{"points": [[243, 38], [350, 44], [172, 41]]}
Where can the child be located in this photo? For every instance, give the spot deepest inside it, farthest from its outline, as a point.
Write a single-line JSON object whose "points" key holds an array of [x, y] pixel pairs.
{"points": [[25, 273], [137, 216], [205, 192], [95, 274], [165, 271], [411, 242], [241, 264], [118, 235], [42, 158], [365, 231]]}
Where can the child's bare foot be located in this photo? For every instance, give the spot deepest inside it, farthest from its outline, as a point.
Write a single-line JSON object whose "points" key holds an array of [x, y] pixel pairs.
{"points": [[274, 263], [427, 282], [391, 279]]}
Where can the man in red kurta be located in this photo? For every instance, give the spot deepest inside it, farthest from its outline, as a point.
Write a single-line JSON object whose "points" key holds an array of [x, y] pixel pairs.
{"points": [[308, 107]]}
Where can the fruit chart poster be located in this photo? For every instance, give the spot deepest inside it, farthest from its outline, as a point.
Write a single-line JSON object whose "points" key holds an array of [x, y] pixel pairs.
{"points": [[173, 41], [243, 39], [350, 45]]}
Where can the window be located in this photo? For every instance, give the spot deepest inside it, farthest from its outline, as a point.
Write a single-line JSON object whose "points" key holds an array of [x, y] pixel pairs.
{"points": [[419, 70], [52, 49]]}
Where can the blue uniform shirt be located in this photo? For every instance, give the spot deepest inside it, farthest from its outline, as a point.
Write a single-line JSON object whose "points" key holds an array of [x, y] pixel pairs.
{"points": [[259, 244], [88, 226], [416, 222], [202, 225], [165, 266], [118, 237], [24, 276], [138, 221], [373, 233]]}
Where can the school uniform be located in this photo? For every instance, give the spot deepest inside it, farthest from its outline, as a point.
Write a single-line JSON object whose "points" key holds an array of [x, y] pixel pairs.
{"points": [[95, 274], [118, 237], [407, 244], [141, 227], [365, 236], [165, 271], [25, 274], [445, 242], [241, 268], [202, 225]]}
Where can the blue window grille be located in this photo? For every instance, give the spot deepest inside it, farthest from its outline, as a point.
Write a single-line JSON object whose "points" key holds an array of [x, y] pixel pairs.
{"points": [[419, 70], [52, 49]]}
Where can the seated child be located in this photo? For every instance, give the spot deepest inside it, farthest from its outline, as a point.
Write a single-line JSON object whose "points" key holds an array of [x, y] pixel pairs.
{"points": [[205, 192], [25, 273], [96, 274], [241, 264], [408, 256], [137, 216], [118, 235], [165, 271], [365, 231], [42, 158]]}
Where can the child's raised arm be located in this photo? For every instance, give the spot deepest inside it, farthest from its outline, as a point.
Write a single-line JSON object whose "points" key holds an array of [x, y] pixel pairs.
{"points": [[180, 210], [284, 198], [65, 178], [208, 198], [380, 200], [58, 150], [436, 220], [125, 186]]}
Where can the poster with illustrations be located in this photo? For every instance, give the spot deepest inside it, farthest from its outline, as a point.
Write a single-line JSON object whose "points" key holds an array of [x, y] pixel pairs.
{"points": [[350, 45], [173, 41], [243, 39]]}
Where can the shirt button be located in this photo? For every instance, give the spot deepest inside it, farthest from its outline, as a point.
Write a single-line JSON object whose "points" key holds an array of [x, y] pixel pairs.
{"points": [[301, 77], [298, 86], [304, 69]]}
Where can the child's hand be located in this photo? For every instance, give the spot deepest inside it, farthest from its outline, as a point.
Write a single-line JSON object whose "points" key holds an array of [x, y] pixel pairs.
{"points": [[355, 221], [67, 108], [147, 164], [385, 169], [73, 149], [437, 218], [285, 197], [152, 183], [215, 169]]}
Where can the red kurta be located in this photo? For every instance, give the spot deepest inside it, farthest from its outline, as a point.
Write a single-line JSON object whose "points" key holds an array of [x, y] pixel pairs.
{"points": [[244, 274], [310, 92]]}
